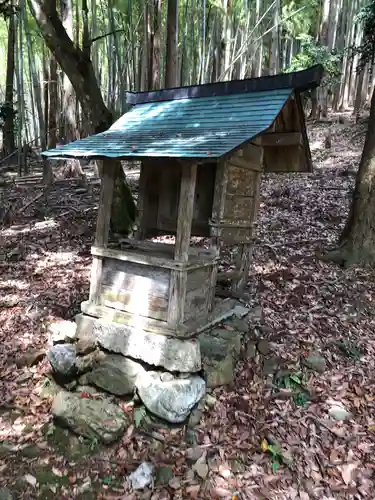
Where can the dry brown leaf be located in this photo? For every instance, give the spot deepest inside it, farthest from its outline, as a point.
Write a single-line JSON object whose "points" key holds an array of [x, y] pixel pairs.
{"points": [[347, 472]]}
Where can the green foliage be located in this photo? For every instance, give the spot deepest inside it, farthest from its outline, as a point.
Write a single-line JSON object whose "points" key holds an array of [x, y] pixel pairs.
{"points": [[295, 382], [299, 16], [313, 53], [349, 349], [366, 50]]}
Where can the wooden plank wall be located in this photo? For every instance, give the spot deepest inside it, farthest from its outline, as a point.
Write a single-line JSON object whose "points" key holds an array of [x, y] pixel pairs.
{"points": [[135, 288], [288, 158], [159, 193], [237, 195]]}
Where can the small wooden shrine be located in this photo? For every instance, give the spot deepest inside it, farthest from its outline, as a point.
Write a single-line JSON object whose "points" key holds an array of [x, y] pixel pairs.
{"points": [[202, 151]]}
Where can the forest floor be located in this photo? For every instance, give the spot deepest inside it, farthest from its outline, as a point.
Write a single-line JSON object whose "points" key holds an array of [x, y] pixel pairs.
{"points": [[324, 421]]}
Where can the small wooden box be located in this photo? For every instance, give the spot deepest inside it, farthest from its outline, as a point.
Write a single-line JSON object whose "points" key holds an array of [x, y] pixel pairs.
{"points": [[146, 285]]}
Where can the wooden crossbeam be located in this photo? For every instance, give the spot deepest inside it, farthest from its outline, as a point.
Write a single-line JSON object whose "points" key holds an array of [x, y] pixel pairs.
{"points": [[279, 139]]}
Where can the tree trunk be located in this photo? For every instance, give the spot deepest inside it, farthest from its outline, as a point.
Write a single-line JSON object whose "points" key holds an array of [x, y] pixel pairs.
{"points": [[69, 122], [155, 46], [358, 238], [171, 57], [358, 94], [52, 118], [342, 33], [275, 44], [8, 130], [74, 63], [77, 65]]}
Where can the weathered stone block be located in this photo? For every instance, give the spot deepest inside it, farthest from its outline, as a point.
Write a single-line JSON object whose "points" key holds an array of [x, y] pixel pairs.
{"points": [[91, 418], [173, 399], [116, 374], [63, 358], [159, 350]]}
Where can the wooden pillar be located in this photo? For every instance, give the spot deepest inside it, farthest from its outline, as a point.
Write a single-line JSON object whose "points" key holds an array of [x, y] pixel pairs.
{"points": [[177, 286], [102, 224], [243, 262], [141, 203], [185, 211]]}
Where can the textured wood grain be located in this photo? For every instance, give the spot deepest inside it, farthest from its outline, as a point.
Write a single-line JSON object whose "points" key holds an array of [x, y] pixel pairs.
{"points": [[243, 268], [278, 139], [185, 211], [146, 304], [177, 294], [102, 225], [105, 203], [139, 289], [128, 275], [197, 277]]}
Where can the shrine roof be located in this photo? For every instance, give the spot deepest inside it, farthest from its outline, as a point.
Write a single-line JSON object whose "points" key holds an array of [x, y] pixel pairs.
{"points": [[202, 121]]}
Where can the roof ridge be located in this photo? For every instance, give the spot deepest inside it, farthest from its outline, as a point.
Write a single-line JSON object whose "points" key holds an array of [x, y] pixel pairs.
{"points": [[298, 80]]}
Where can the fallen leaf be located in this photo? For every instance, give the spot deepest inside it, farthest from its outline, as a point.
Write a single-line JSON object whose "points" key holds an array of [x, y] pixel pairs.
{"points": [[201, 468], [57, 472], [30, 479], [347, 471], [193, 490]]}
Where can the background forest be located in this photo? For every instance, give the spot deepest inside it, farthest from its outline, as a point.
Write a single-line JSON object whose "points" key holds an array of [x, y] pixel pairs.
{"points": [[135, 45], [297, 417]]}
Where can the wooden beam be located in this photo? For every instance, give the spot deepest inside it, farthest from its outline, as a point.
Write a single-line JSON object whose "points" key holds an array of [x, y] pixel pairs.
{"points": [[105, 203], [141, 257], [177, 296], [102, 226], [185, 211], [243, 268], [141, 202], [279, 139]]}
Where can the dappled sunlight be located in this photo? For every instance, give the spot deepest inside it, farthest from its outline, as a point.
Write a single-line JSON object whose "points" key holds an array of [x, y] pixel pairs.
{"points": [[60, 259], [18, 284], [183, 127], [40, 227]]}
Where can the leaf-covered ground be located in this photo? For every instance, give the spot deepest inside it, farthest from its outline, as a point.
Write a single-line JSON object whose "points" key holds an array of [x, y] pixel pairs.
{"points": [[282, 431]]}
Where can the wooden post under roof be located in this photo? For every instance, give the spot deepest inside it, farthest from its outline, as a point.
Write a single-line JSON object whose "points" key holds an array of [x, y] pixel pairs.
{"points": [[102, 224], [185, 211], [177, 290]]}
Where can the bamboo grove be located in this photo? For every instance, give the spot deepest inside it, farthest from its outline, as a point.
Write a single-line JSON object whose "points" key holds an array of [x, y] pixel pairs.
{"points": [[142, 45]]}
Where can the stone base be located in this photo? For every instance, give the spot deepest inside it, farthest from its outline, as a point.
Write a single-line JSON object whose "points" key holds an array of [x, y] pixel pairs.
{"points": [[166, 373], [157, 349]]}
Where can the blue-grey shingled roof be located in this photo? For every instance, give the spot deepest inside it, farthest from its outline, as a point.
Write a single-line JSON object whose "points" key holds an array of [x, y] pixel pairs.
{"points": [[201, 127]]}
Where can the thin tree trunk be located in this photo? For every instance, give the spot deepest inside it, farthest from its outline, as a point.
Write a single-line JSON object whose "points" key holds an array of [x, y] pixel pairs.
{"points": [[358, 94], [36, 84], [156, 46], [8, 130], [69, 121], [342, 32], [20, 91], [348, 60], [259, 54], [93, 35], [146, 48], [171, 56], [275, 47], [184, 44], [46, 80], [53, 102]]}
